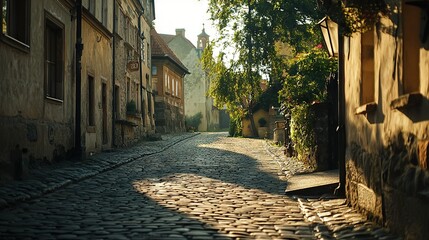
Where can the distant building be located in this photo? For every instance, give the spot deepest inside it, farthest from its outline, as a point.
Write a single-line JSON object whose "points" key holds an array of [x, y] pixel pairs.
{"points": [[196, 84], [168, 73], [134, 104]]}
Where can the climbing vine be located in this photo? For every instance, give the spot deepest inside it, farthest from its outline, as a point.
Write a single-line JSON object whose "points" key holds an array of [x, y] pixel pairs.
{"points": [[354, 15]]}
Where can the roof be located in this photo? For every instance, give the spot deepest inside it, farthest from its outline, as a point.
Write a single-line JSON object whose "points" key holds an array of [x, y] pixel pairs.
{"points": [[203, 34], [168, 38], [160, 49]]}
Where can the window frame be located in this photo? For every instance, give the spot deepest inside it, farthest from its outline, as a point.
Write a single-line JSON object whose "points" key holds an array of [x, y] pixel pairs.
{"points": [[91, 121], [49, 19], [367, 85], [21, 44]]}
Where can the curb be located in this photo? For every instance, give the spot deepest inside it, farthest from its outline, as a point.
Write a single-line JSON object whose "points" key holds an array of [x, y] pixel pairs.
{"points": [[35, 188]]}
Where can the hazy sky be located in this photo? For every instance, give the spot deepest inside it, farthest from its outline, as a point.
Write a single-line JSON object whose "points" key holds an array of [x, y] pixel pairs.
{"points": [[187, 14]]}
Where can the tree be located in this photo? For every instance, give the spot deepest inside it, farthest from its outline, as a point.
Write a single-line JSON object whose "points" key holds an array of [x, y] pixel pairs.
{"points": [[252, 28]]}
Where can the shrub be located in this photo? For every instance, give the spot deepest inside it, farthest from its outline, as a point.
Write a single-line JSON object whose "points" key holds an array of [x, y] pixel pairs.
{"points": [[194, 121], [302, 134], [235, 127]]}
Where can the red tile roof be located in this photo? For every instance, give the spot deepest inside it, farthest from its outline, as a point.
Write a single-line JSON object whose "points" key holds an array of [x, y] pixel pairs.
{"points": [[160, 49]]}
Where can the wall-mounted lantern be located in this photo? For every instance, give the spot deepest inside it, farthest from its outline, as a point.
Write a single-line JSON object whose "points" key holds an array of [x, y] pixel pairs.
{"points": [[329, 30]]}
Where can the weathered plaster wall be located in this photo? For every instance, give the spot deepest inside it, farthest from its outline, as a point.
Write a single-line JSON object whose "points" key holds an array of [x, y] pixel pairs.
{"points": [[247, 128], [43, 127], [96, 62], [389, 188]]}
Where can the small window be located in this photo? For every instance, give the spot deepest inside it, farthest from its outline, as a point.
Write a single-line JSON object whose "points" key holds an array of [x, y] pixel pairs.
{"points": [[117, 101], [104, 13], [411, 53], [142, 50], [54, 58], [128, 89], [154, 70], [148, 54], [91, 101], [367, 67], [15, 20], [91, 6]]}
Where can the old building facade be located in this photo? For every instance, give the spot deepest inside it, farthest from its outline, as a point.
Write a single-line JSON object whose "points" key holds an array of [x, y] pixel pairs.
{"points": [[36, 83], [168, 75], [96, 76], [196, 84], [42, 65], [134, 110], [386, 102]]}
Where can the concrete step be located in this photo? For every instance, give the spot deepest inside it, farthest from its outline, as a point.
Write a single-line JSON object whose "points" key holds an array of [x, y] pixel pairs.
{"points": [[313, 184]]}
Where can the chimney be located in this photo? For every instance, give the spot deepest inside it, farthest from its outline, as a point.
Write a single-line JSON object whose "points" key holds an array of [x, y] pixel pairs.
{"points": [[180, 32]]}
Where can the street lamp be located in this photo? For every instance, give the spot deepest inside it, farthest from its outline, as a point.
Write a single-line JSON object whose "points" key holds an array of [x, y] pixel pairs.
{"points": [[335, 45], [329, 30]]}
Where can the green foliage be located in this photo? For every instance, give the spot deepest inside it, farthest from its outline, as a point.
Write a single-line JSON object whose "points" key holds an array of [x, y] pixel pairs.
{"points": [[355, 15], [235, 127], [252, 28], [131, 107], [194, 121], [306, 78], [301, 132], [304, 84]]}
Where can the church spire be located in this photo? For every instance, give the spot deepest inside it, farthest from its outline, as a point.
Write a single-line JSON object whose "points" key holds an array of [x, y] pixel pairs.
{"points": [[203, 39]]}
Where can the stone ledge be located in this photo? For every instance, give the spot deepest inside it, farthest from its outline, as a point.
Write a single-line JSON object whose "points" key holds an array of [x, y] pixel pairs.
{"points": [[406, 101], [366, 108]]}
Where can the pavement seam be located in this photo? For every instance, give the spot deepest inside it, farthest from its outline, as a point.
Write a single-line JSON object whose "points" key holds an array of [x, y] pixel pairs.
{"points": [[23, 197]]}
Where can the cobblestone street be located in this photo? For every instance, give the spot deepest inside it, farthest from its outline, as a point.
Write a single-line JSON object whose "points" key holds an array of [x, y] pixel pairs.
{"points": [[207, 186]]}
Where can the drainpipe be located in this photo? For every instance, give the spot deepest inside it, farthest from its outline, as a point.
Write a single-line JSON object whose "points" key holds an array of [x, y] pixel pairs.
{"points": [[341, 118], [114, 75], [140, 69], [79, 50]]}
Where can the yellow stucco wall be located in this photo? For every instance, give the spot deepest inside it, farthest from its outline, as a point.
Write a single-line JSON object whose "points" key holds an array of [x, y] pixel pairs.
{"points": [[369, 135], [96, 62], [247, 129]]}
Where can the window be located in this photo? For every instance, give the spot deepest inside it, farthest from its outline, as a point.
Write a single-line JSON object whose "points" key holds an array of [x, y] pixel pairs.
{"points": [[142, 50], [154, 70], [91, 101], [104, 12], [148, 54], [15, 20], [54, 57], [128, 89], [177, 88], [117, 105], [91, 6], [136, 96], [367, 67], [411, 53]]}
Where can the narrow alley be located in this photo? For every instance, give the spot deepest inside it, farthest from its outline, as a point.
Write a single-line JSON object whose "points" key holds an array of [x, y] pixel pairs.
{"points": [[207, 186]]}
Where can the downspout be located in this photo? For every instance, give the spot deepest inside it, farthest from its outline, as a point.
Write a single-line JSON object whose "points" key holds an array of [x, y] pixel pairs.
{"points": [[341, 118], [140, 69], [79, 50], [114, 110]]}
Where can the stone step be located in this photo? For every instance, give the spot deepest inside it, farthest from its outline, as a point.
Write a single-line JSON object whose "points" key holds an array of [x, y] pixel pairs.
{"points": [[312, 184]]}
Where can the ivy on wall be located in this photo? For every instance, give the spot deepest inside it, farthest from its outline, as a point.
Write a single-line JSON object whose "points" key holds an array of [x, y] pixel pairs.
{"points": [[354, 15]]}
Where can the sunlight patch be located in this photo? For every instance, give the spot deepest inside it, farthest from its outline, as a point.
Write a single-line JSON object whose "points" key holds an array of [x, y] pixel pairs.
{"points": [[228, 207]]}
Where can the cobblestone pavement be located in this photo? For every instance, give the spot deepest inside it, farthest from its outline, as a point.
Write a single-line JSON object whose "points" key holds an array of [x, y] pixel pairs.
{"points": [[205, 187]]}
